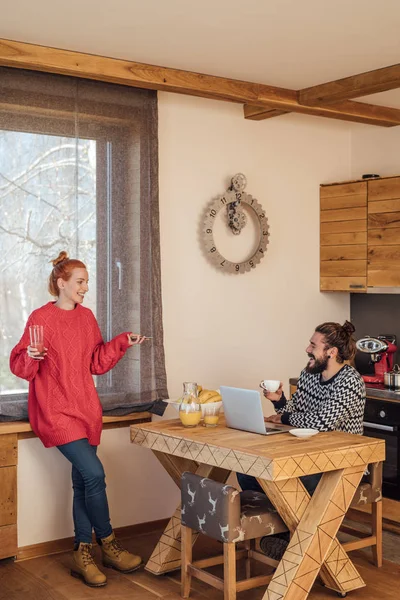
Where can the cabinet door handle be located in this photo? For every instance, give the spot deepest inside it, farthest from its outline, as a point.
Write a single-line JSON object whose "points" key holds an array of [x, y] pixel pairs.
{"points": [[380, 427], [118, 264], [356, 286]]}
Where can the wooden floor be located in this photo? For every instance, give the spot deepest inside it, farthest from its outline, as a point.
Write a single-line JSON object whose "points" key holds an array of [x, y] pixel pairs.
{"points": [[48, 578]]}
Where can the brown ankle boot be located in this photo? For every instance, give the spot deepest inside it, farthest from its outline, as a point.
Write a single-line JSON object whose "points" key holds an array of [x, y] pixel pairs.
{"points": [[115, 557], [85, 568]]}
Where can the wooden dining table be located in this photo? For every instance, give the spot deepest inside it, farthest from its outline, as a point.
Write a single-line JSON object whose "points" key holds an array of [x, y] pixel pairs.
{"points": [[278, 462]]}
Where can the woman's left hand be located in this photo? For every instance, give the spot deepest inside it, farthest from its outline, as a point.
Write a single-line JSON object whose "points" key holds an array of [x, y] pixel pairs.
{"points": [[135, 338]]}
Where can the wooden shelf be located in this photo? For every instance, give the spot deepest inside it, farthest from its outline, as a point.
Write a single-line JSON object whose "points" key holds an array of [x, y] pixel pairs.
{"points": [[23, 427]]}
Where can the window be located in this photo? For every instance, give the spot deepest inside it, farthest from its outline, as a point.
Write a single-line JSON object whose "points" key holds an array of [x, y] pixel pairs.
{"points": [[78, 172], [41, 214]]}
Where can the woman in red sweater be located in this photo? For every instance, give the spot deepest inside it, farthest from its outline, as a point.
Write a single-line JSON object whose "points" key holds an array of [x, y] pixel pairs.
{"points": [[65, 410]]}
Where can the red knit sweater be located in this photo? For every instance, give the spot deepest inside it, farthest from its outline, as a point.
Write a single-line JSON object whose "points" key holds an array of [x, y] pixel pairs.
{"points": [[63, 404]]}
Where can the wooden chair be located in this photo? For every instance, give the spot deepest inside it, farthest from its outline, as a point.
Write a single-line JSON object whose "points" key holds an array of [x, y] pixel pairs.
{"points": [[229, 516], [368, 492]]}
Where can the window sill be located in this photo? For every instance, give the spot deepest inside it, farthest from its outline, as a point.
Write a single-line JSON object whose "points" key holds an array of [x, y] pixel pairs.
{"points": [[24, 430]]}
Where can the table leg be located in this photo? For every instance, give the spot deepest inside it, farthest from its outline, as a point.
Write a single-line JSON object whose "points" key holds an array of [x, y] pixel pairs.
{"points": [[166, 555], [314, 523]]}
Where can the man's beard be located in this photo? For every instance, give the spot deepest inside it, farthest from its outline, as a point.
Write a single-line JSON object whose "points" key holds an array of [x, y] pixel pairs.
{"points": [[320, 364]]}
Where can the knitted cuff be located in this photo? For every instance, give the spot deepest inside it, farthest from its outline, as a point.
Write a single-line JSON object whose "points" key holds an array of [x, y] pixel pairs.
{"points": [[281, 403]]}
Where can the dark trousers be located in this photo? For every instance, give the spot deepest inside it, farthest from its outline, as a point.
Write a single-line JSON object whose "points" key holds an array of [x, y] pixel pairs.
{"points": [[247, 482], [90, 505]]}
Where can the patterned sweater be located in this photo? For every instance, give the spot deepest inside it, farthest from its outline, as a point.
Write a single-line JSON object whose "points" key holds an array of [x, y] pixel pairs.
{"points": [[336, 404], [63, 404]]}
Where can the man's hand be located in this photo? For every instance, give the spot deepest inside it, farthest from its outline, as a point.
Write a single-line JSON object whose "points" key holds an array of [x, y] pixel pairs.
{"points": [[274, 396], [273, 419]]}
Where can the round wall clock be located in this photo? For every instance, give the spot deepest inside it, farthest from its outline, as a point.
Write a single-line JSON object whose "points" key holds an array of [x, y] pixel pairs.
{"points": [[236, 220]]}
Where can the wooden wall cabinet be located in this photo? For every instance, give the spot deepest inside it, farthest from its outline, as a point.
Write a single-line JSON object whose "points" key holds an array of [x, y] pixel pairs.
{"points": [[360, 235], [343, 266], [8, 495], [384, 232]]}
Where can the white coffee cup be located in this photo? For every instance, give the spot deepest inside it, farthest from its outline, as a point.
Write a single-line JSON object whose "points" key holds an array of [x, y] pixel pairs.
{"points": [[270, 385]]}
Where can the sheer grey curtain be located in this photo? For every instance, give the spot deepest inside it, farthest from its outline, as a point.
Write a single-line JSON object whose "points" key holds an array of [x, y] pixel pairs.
{"points": [[79, 171]]}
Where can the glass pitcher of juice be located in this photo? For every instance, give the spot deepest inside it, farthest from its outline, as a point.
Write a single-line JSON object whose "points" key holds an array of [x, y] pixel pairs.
{"points": [[189, 408]]}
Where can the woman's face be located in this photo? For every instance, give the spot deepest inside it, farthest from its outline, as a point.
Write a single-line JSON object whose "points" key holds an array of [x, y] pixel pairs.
{"points": [[76, 287]]}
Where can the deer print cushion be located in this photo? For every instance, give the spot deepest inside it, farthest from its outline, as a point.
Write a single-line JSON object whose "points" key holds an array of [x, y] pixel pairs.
{"points": [[225, 514], [210, 507], [258, 516], [370, 489], [366, 494]]}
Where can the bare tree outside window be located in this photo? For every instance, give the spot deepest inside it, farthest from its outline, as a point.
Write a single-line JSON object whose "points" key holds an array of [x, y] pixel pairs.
{"points": [[48, 204]]}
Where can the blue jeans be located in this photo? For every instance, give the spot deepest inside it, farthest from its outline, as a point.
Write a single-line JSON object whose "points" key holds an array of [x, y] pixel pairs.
{"points": [[90, 506], [247, 482]]}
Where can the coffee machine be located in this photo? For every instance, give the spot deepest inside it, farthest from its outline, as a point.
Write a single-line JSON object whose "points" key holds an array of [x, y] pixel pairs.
{"points": [[381, 349]]}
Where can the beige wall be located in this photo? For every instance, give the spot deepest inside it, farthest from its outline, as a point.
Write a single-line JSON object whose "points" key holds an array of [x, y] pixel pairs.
{"points": [[219, 329], [375, 150], [239, 329]]}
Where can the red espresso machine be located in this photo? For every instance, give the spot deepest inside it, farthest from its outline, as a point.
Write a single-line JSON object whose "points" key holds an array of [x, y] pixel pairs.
{"points": [[382, 349]]}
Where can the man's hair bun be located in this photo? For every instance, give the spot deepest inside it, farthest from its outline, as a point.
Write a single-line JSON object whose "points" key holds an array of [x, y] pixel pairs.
{"points": [[349, 327]]}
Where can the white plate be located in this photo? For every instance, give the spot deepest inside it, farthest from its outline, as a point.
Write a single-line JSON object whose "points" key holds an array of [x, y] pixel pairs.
{"points": [[304, 433]]}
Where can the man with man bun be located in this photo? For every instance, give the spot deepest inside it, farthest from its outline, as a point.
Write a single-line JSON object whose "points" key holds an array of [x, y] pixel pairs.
{"points": [[330, 396]]}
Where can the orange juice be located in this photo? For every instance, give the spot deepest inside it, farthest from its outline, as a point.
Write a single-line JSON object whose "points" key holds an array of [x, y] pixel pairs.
{"points": [[210, 420], [190, 419]]}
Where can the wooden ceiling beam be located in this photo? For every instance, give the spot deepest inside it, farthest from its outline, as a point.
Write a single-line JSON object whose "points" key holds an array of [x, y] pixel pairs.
{"points": [[88, 66], [274, 100], [356, 112], [363, 84], [260, 113]]}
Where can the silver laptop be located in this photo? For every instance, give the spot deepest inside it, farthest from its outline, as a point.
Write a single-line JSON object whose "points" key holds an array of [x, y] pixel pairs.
{"points": [[243, 411]]}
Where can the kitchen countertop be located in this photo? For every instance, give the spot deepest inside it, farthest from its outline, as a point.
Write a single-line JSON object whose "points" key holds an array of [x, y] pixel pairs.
{"points": [[374, 390]]}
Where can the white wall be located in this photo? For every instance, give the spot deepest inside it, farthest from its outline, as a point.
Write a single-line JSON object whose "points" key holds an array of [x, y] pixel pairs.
{"points": [[375, 150], [239, 329], [219, 329]]}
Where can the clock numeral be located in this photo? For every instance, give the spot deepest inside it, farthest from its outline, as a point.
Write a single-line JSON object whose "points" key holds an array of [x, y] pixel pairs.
{"points": [[213, 249], [251, 263], [213, 213], [222, 264], [208, 230], [261, 250], [237, 267], [265, 232], [238, 196], [223, 200], [252, 200], [262, 215]]}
